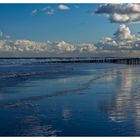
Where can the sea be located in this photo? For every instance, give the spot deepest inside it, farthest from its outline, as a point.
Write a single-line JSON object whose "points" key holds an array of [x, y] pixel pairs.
{"points": [[38, 98]]}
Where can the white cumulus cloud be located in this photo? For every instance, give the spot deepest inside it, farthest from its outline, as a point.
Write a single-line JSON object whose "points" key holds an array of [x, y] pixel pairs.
{"points": [[65, 47], [123, 40], [121, 13], [124, 33], [63, 7], [49, 48], [87, 48]]}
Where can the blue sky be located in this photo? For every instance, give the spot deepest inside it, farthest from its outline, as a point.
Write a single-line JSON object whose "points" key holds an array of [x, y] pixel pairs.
{"points": [[75, 25], [69, 29]]}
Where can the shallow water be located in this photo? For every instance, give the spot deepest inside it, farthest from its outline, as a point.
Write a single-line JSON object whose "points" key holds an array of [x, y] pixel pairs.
{"points": [[40, 99]]}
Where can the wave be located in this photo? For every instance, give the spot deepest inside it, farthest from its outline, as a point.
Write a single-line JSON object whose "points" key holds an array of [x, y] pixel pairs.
{"points": [[26, 75], [24, 101], [21, 61], [24, 72]]}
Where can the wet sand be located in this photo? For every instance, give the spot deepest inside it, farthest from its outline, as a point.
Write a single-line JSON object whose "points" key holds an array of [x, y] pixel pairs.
{"points": [[70, 100]]}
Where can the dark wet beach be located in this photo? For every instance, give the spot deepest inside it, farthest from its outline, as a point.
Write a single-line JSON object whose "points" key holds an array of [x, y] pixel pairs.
{"points": [[40, 99]]}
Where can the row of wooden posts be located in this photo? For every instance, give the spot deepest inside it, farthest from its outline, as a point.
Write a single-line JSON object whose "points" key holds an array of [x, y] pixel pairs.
{"points": [[131, 61], [117, 60]]}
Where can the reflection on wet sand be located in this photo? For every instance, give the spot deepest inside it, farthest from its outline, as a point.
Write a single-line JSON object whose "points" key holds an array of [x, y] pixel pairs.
{"points": [[108, 97], [66, 114], [125, 103], [31, 123], [20, 102], [36, 128]]}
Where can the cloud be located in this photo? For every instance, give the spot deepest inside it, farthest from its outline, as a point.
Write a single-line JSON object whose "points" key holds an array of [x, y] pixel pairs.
{"points": [[55, 48], [1, 34], [6, 45], [48, 10], [27, 45], [120, 13], [34, 12], [65, 47], [63, 7], [124, 33], [123, 40], [87, 48]]}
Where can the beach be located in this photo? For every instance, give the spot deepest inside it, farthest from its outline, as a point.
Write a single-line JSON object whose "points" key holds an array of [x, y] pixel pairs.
{"points": [[86, 99]]}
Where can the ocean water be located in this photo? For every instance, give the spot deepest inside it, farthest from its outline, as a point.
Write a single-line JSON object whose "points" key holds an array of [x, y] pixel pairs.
{"points": [[44, 99]]}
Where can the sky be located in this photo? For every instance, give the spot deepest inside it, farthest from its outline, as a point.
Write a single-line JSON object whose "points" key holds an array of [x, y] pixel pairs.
{"points": [[75, 25], [57, 29]]}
